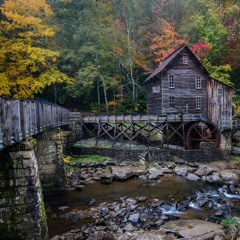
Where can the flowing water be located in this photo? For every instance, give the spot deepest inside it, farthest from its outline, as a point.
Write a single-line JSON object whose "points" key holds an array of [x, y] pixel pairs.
{"points": [[171, 189]]}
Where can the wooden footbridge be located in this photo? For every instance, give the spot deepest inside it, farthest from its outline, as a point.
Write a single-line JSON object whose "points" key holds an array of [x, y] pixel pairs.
{"points": [[184, 130], [20, 119]]}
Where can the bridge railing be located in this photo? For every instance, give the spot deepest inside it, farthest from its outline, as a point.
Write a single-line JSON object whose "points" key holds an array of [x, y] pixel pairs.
{"points": [[174, 117], [20, 119]]}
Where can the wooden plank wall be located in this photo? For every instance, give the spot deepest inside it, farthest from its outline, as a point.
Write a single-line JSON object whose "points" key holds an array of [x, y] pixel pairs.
{"points": [[20, 119]]}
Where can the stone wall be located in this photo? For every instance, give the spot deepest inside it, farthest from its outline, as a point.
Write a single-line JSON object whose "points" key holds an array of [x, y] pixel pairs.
{"points": [[50, 153], [207, 153], [226, 142], [125, 154], [22, 213]]}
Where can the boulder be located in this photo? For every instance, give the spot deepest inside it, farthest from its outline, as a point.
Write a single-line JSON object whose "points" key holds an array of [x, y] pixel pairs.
{"points": [[125, 172], [193, 229], [204, 170], [106, 176], [134, 217], [181, 170], [192, 177], [214, 178], [229, 176]]}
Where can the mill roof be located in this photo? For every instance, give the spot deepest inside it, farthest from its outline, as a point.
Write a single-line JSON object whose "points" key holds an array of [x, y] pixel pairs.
{"points": [[171, 57]]}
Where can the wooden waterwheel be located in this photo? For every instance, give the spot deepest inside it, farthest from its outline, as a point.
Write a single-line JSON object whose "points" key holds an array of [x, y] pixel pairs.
{"points": [[200, 132]]}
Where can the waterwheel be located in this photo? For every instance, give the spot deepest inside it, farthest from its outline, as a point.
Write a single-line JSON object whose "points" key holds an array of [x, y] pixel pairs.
{"points": [[199, 132]]}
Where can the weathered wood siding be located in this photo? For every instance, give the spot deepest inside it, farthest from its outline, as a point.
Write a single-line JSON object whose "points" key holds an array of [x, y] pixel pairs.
{"points": [[154, 96], [219, 105], [20, 119], [185, 91]]}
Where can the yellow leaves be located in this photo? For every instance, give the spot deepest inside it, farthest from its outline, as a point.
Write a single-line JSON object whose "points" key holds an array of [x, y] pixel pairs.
{"points": [[26, 65], [236, 108]]}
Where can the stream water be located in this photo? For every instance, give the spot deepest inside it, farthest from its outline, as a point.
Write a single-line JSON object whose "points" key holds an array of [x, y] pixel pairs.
{"points": [[171, 189]]}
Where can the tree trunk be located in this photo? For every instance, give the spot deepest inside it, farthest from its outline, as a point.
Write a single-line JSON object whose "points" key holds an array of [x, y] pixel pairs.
{"points": [[98, 95], [105, 97]]}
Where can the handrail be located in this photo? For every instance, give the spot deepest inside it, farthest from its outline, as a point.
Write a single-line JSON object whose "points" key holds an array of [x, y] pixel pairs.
{"points": [[21, 118]]}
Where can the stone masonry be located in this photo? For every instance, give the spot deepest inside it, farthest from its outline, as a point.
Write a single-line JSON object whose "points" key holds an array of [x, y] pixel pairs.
{"points": [[49, 152], [22, 213]]}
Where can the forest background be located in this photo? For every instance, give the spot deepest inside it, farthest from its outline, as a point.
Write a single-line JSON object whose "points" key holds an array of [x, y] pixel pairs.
{"points": [[94, 55]]}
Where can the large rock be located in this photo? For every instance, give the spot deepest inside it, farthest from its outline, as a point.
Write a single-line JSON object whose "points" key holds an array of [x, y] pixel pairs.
{"points": [[142, 235], [193, 229], [181, 170], [125, 172], [229, 176], [106, 176], [192, 177], [213, 178], [204, 170]]}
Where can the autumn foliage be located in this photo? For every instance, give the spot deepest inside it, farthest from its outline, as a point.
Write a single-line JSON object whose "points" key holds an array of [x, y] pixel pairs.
{"points": [[201, 49], [167, 41], [27, 63]]}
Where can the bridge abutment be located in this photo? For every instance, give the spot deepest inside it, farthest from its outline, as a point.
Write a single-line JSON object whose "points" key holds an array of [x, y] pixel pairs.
{"points": [[50, 153], [22, 213]]}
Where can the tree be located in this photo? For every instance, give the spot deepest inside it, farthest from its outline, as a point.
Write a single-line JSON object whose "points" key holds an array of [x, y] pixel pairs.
{"points": [[27, 63], [164, 43]]}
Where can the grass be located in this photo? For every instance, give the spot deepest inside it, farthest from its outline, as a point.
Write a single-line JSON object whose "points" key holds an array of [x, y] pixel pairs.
{"points": [[237, 159], [229, 221]]}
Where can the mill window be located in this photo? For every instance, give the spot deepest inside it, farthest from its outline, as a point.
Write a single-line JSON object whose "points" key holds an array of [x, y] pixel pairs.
{"points": [[171, 81], [220, 92], [198, 82], [198, 103], [172, 102], [185, 60]]}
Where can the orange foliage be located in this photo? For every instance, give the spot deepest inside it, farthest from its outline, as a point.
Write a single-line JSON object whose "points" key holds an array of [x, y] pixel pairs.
{"points": [[166, 42]]}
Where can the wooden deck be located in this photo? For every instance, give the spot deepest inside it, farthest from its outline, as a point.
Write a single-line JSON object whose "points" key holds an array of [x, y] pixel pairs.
{"points": [[20, 119], [140, 118]]}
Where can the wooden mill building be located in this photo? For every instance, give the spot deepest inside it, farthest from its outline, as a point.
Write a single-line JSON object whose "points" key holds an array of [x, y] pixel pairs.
{"points": [[182, 84]]}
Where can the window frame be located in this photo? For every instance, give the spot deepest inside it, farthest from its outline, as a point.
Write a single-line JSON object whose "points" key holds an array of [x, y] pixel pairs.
{"points": [[198, 82], [198, 102], [221, 92], [185, 60], [171, 80], [171, 101]]}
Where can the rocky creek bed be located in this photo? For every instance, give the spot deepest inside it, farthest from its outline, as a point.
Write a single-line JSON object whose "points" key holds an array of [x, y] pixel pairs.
{"points": [[211, 195]]}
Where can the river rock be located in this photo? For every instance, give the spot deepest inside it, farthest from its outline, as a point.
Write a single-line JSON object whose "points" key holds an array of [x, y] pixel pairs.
{"points": [[181, 170], [204, 170], [125, 172], [192, 177], [134, 217], [145, 235], [129, 227], [63, 208], [229, 176], [106, 176], [170, 164], [193, 229], [79, 188], [213, 178], [155, 172]]}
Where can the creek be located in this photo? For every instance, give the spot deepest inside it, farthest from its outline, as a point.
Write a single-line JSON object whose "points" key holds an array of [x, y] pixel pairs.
{"points": [[168, 191]]}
